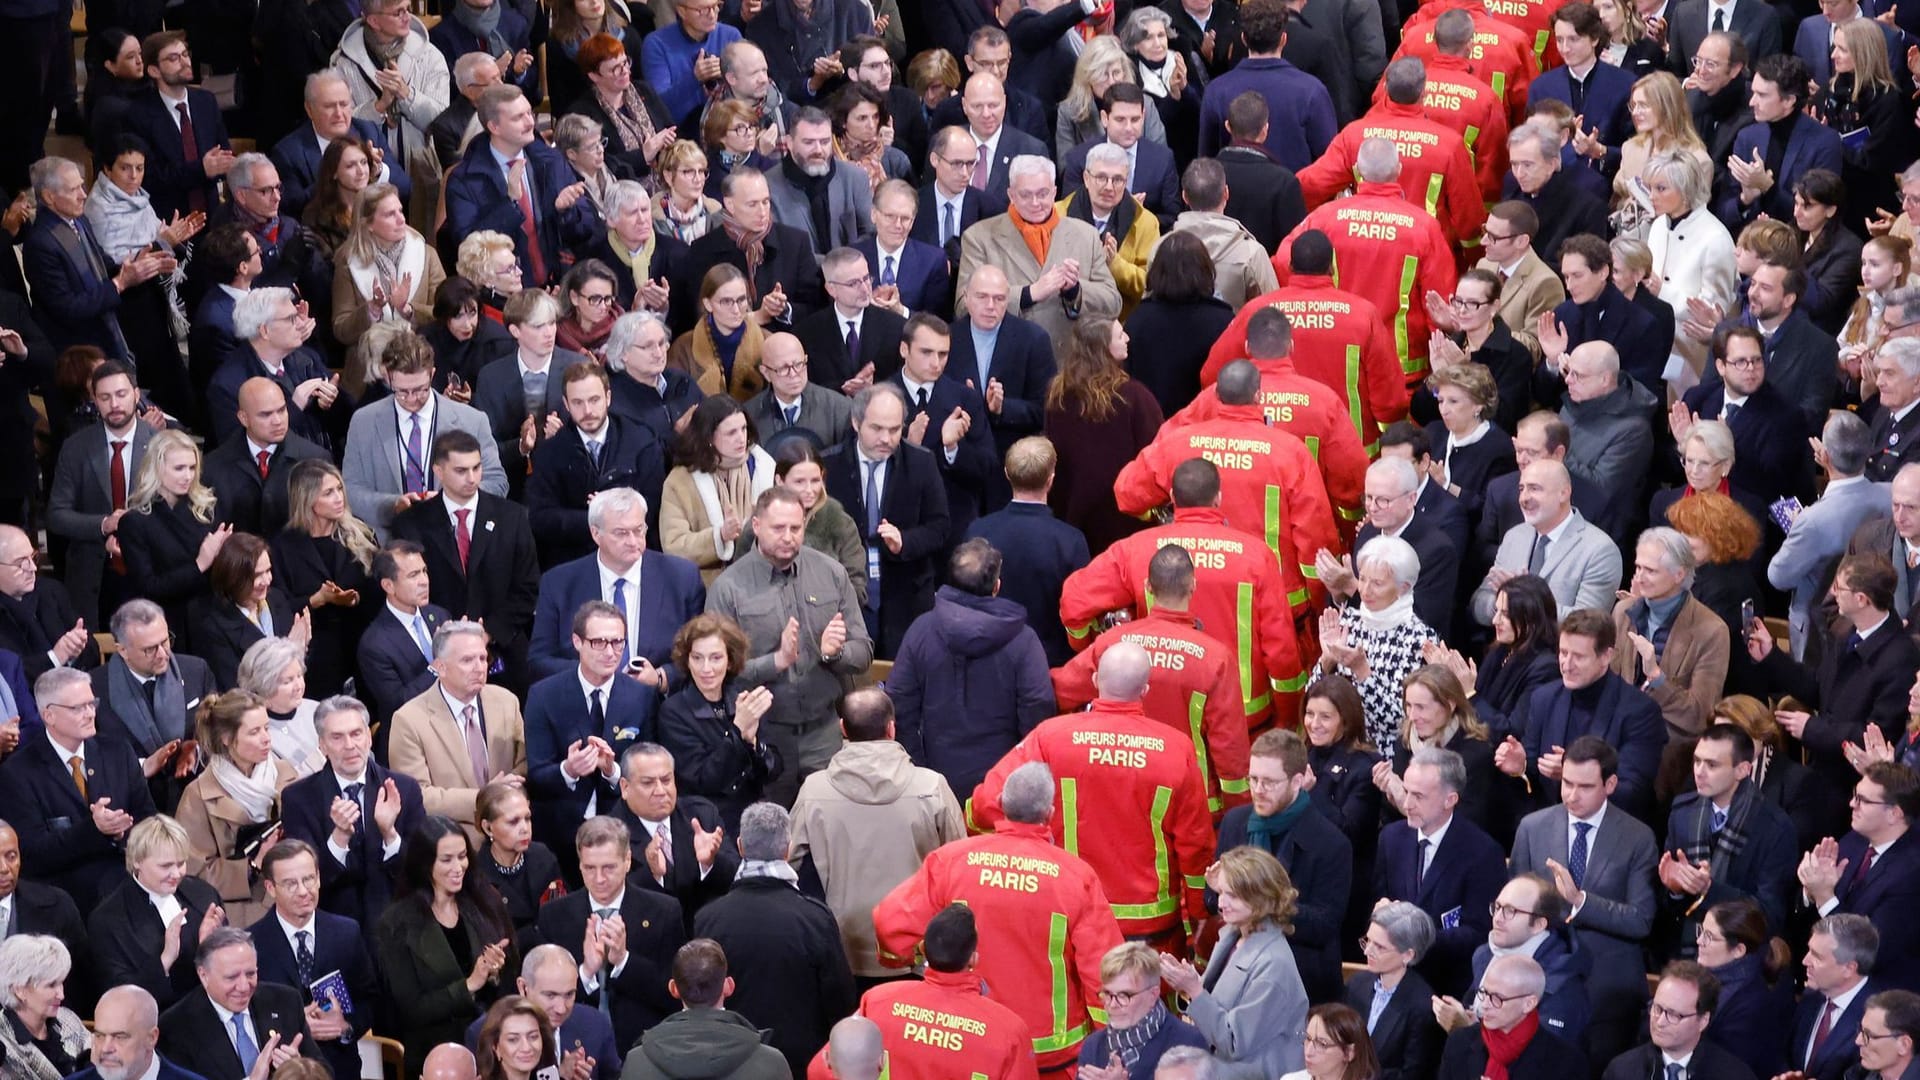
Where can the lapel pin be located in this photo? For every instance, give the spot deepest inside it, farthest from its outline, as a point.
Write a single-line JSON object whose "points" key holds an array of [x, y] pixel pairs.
{"points": [[645, 923], [489, 526]]}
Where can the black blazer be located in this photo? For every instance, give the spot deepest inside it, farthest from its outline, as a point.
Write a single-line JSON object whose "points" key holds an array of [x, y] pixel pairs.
{"points": [[126, 937], [1262, 194], [1838, 1053], [360, 888], [499, 393], [1319, 861], [247, 502], [300, 564], [58, 842], [788, 262], [656, 928], [668, 261], [1463, 878], [564, 477], [192, 1036], [223, 634], [1470, 467], [170, 176], [710, 758], [633, 161], [1344, 794], [1486, 802], [196, 684], [1852, 689], [1407, 1039], [1547, 1057], [1442, 508], [501, 581], [556, 717], [393, 670], [426, 984], [684, 881], [337, 945], [1768, 432], [829, 365], [921, 273], [1644, 1062], [1434, 595], [914, 501], [1505, 682], [1763, 871], [969, 476], [161, 548], [975, 205], [1892, 443], [1887, 895], [30, 625], [1023, 362]]}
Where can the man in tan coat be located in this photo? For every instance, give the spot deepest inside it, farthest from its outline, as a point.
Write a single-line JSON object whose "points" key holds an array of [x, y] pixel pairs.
{"points": [[869, 819], [1242, 268], [1056, 266], [462, 733]]}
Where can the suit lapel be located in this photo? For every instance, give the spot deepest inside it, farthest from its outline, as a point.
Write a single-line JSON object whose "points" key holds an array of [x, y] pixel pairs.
{"points": [[447, 728], [483, 519]]}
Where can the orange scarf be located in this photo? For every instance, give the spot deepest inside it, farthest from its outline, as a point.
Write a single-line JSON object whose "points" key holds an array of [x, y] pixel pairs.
{"points": [[1038, 237]]}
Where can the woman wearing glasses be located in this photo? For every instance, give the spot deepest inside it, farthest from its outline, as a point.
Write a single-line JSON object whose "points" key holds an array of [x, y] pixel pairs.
{"points": [[1469, 329], [629, 113], [1756, 983], [589, 304], [732, 138], [1337, 1047], [1140, 1028], [1393, 999], [722, 351]]}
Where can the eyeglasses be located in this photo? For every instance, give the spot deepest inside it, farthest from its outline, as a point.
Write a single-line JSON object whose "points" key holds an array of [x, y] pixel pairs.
{"points": [[699, 9], [1746, 363], [1106, 179], [605, 644], [85, 708], [794, 368], [1468, 304], [960, 163], [1493, 999], [1321, 1044], [158, 648], [23, 564], [622, 66], [1507, 911], [416, 393], [1266, 783], [1119, 997], [1492, 237], [1708, 936], [1384, 500], [1859, 800], [740, 129], [596, 300], [1369, 946], [267, 190], [863, 282], [729, 301], [1660, 1014], [1863, 1036]]}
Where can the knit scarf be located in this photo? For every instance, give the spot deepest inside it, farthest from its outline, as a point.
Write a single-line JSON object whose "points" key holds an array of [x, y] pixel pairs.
{"points": [[1268, 832], [686, 226], [255, 791], [1504, 1046], [754, 246], [868, 156], [638, 260], [1440, 739], [483, 22], [778, 869], [1127, 1043], [1038, 235], [733, 480], [631, 124], [1391, 617], [726, 345]]}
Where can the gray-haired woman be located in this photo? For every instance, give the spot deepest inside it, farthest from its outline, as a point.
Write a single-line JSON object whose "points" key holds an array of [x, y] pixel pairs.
{"points": [[1395, 1001], [40, 1038], [275, 670], [1380, 641]]}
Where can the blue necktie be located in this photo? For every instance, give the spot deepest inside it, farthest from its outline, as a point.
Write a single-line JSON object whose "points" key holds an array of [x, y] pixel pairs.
{"points": [[947, 231], [421, 637], [243, 1043], [1719, 820], [620, 601], [886, 272], [1577, 858]]}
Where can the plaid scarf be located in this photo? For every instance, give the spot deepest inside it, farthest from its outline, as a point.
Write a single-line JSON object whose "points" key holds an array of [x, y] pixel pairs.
{"points": [[754, 246], [1722, 848], [1127, 1043]]}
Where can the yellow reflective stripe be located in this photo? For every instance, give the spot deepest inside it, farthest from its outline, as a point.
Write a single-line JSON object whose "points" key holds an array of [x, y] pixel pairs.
{"points": [[972, 825], [1500, 85], [1196, 725], [1144, 911], [1433, 194], [1233, 787], [1082, 631], [1540, 46], [1309, 571], [1296, 597], [1070, 814], [1270, 514], [1243, 619], [1162, 874], [1313, 446], [1409, 270], [1353, 391], [1196, 881], [1471, 135], [1352, 515], [1061, 1037], [1293, 685]]}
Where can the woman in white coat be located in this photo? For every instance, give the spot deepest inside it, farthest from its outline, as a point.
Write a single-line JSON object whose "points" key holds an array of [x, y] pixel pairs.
{"points": [[399, 81], [1692, 255], [1250, 1003]]}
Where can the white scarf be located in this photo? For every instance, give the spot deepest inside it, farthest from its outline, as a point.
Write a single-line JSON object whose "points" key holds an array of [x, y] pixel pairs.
{"points": [[1391, 617], [254, 792], [1440, 739], [122, 223], [412, 264], [1157, 80]]}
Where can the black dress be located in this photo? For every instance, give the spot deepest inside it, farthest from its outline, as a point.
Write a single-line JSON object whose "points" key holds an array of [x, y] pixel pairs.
{"points": [[1172, 342], [161, 548], [453, 357], [1470, 467], [525, 887], [710, 759], [301, 563]]}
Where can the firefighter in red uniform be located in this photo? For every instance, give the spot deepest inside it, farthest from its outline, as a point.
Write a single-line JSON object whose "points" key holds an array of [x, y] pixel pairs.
{"points": [[1533, 18], [1269, 483], [1131, 801], [1464, 102], [1502, 54], [1436, 171], [1386, 249], [941, 1026], [1338, 340], [1043, 919], [1193, 685], [1239, 595], [1302, 406]]}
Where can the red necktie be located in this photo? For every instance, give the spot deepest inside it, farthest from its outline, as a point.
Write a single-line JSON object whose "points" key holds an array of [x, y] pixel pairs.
{"points": [[1866, 864], [262, 457], [117, 484], [536, 261], [190, 153], [1820, 1034], [462, 537]]}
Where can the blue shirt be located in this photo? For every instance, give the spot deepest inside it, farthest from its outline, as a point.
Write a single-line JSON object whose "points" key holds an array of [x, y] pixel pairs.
{"points": [[666, 61]]}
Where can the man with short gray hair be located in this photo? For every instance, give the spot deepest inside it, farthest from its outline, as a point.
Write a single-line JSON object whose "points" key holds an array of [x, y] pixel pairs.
{"points": [[461, 710], [583, 1037], [76, 287], [148, 695], [1073, 281], [456, 125], [789, 969], [329, 106], [1896, 426], [1185, 1063], [1678, 648], [1818, 534], [234, 1020], [273, 333], [1442, 861]]}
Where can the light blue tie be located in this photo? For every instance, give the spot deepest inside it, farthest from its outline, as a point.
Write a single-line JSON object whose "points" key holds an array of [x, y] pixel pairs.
{"points": [[421, 637], [243, 1043], [620, 601]]}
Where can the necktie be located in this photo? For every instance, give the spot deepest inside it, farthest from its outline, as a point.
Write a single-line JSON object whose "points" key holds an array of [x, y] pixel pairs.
{"points": [[1420, 862], [146, 688], [243, 1043], [303, 958], [947, 229], [1719, 20], [792, 413], [190, 153], [78, 766], [1719, 820], [1820, 1033], [1674, 1070], [853, 343], [596, 713], [920, 400], [353, 791], [421, 637], [536, 259], [463, 537], [117, 473], [886, 271], [416, 472], [476, 746], [1727, 414], [661, 834], [1866, 866], [606, 976], [1577, 858], [593, 451], [1539, 557], [263, 457], [873, 499], [1853, 641], [981, 166], [620, 601]]}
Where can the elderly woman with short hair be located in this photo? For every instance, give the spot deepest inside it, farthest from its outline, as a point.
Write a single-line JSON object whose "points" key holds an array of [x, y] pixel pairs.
{"points": [[644, 260], [275, 671], [40, 1038], [1468, 449], [582, 141], [1393, 998], [1692, 252], [127, 932], [1378, 642], [648, 391], [1707, 457], [487, 259], [1140, 1028], [1165, 75]]}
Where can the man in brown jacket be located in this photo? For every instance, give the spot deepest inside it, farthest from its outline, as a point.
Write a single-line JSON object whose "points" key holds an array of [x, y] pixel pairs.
{"points": [[1679, 646]]}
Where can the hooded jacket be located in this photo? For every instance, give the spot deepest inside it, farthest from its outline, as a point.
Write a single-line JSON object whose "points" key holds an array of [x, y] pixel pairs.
{"points": [[427, 75], [705, 1044], [975, 660], [1240, 267], [1612, 448], [869, 820]]}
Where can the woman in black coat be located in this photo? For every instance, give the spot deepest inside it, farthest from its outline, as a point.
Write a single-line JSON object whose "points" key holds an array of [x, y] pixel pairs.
{"points": [[1864, 97], [1333, 719], [1474, 331], [242, 606], [524, 871], [1832, 254], [167, 535], [1756, 984], [1177, 323], [1467, 448], [609, 70], [712, 726], [463, 342], [126, 934], [325, 555], [1525, 654], [1405, 1038], [1726, 543]]}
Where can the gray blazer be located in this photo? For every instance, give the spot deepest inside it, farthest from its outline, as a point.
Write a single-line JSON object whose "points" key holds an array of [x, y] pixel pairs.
{"points": [[1582, 568], [1256, 1014], [81, 499], [826, 413], [1818, 538], [372, 464], [1622, 859], [849, 206]]}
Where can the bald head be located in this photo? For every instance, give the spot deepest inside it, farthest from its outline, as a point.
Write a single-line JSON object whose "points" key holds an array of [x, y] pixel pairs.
{"points": [[1378, 161], [854, 1050], [16, 550], [1123, 671], [1592, 371], [449, 1061], [263, 411], [985, 103], [126, 1023]]}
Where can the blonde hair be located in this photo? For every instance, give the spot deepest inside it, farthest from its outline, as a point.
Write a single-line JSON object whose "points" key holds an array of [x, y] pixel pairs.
{"points": [[360, 244], [150, 836], [1672, 120], [1101, 51], [1473, 380], [303, 486], [1871, 69], [146, 479], [1445, 687], [475, 256], [1261, 883]]}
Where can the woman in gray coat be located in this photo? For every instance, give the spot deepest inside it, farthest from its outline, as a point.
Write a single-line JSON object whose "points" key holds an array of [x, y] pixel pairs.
{"points": [[1250, 1003]]}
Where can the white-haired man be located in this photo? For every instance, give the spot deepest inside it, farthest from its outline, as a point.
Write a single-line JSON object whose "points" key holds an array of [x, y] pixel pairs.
{"points": [[1072, 282]]}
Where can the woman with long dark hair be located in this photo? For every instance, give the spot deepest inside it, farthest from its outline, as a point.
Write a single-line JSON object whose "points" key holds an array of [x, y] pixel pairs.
{"points": [[706, 505], [525, 871], [1099, 418], [1340, 783], [1755, 970], [346, 169], [1525, 654], [243, 605], [516, 1039]]}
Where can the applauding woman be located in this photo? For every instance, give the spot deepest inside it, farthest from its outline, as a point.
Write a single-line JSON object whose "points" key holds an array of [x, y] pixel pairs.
{"points": [[232, 811], [146, 931], [167, 535], [325, 555], [707, 503], [712, 727], [386, 271]]}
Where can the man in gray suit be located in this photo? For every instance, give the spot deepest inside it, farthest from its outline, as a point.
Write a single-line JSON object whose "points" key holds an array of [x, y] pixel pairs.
{"points": [[790, 400], [390, 443], [1579, 562], [1819, 534], [828, 199], [91, 480], [1603, 863]]}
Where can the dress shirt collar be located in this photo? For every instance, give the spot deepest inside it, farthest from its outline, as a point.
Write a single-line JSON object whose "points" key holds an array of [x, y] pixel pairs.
{"points": [[1436, 836], [619, 899], [311, 929], [1598, 816], [454, 705], [425, 414], [472, 506], [605, 688], [346, 781], [65, 755]]}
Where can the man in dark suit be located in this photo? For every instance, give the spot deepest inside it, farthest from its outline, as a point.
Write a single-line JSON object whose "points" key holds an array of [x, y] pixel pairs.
{"points": [[1896, 425], [1768, 429], [853, 341], [1799, 354], [329, 105], [1688, 24], [1392, 510], [992, 346], [524, 395], [1761, 176], [1841, 954], [76, 293], [949, 203], [1150, 165], [86, 792], [1517, 983], [226, 261], [512, 183], [596, 451], [37, 620], [577, 724], [1444, 863], [785, 283], [127, 1026], [1050, 549], [1598, 94], [1262, 194], [550, 976], [1433, 504], [92, 480], [658, 592], [299, 945], [677, 842], [1724, 841], [950, 419], [899, 501], [459, 123], [1719, 95], [264, 1017], [1683, 1007], [625, 936], [908, 272], [792, 400], [290, 255], [397, 645], [187, 146], [248, 474], [30, 907], [984, 102], [355, 811], [1537, 176], [149, 695], [1874, 870], [273, 337], [990, 51], [479, 551]]}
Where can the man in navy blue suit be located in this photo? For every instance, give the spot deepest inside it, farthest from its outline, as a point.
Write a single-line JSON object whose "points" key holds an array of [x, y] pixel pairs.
{"points": [[1761, 176], [1444, 863], [1874, 870], [578, 722], [188, 149], [948, 417], [658, 592], [86, 791], [1596, 91], [126, 1030], [950, 204], [298, 945], [853, 341], [1768, 430], [1009, 360], [1150, 165], [1596, 310], [1841, 953], [289, 254], [512, 183], [909, 274], [597, 450], [1050, 549], [227, 260], [273, 335], [354, 813], [549, 975], [76, 294], [1434, 504], [397, 645], [330, 116]]}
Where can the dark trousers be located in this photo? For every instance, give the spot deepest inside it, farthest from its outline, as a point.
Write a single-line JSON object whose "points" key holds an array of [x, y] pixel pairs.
{"points": [[29, 48]]}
